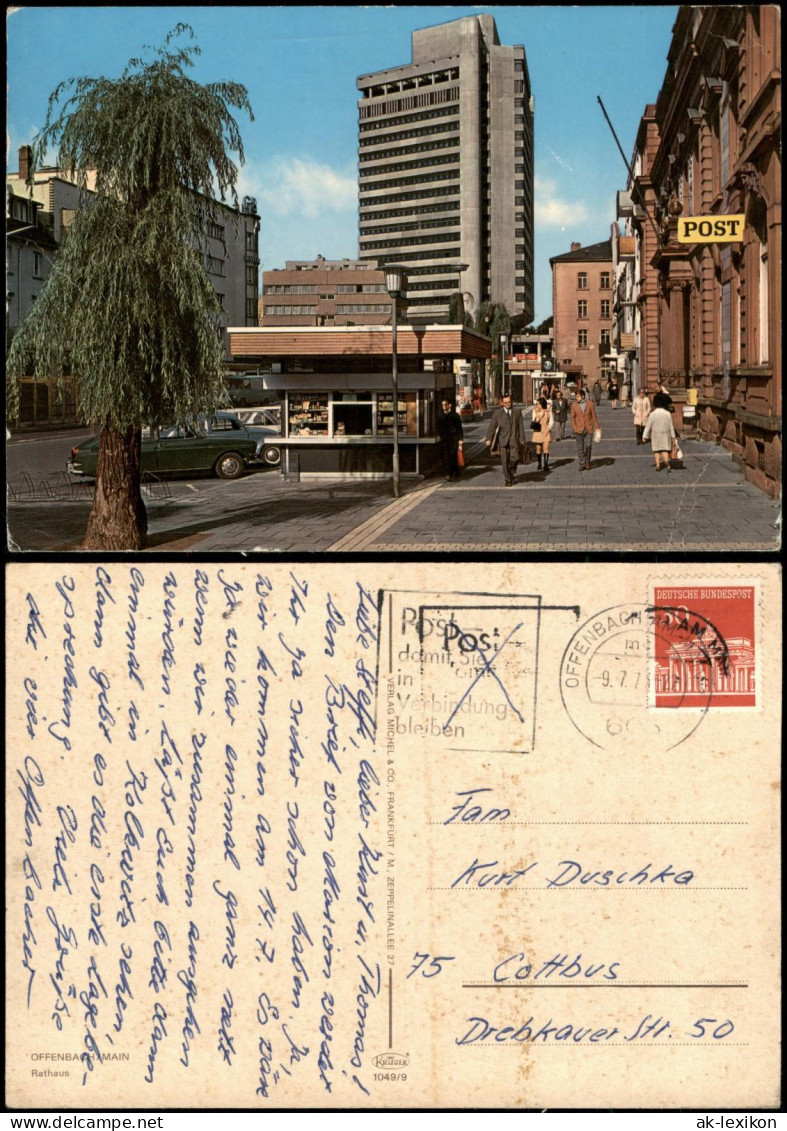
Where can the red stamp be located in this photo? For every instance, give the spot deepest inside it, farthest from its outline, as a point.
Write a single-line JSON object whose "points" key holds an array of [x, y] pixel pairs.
{"points": [[704, 646]]}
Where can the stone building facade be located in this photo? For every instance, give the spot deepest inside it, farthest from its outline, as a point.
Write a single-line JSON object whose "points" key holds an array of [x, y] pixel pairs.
{"points": [[446, 169], [710, 313], [325, 292], [49, 201], [582, 300]]}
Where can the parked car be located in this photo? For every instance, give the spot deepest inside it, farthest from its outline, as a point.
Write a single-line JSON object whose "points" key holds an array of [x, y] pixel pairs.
{"points": [[220, 443], [262, 414]]}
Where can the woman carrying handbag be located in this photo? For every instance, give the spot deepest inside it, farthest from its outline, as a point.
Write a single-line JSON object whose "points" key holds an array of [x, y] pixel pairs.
{"points": [[541, 430]]}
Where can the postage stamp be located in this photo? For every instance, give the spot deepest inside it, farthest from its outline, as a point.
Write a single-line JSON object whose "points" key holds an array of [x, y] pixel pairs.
{"points": [[704, 646]]}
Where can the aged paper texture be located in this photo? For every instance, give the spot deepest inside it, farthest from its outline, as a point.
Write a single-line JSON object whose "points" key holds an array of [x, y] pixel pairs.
{"points": [[385, 835]]}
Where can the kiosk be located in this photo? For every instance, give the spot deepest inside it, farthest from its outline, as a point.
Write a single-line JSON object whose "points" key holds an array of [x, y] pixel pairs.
{"points": [[335, 385]]}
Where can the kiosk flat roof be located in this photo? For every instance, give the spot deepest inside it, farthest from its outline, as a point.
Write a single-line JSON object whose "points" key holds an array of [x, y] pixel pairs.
{"points": [[369, 341]]}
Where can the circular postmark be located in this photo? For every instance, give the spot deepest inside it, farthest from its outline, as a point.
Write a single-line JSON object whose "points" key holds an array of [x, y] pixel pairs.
{"points": [[640, 673]]}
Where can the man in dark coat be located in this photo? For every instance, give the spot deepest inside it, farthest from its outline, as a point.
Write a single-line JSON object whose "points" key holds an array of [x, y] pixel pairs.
{"points": [[506, 432], [449, 427]]}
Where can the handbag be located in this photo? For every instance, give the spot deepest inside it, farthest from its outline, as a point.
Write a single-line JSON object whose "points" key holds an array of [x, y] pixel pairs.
{"points": [[525, 455], [460, 458], [597, 436]]}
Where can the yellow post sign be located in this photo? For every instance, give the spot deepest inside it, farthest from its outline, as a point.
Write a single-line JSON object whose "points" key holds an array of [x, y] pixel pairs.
{"points": [[710, 229]]}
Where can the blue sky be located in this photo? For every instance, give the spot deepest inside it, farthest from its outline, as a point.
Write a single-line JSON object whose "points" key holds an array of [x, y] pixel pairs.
{"points": [[300, 64]]}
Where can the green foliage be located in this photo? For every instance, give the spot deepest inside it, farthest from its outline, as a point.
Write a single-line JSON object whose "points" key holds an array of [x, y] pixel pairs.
{"points": [[128, 306], [492, 318], [456, 309]]}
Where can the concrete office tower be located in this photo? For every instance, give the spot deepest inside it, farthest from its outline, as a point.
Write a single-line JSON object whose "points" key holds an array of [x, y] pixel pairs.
{"points": [[446, 169]]}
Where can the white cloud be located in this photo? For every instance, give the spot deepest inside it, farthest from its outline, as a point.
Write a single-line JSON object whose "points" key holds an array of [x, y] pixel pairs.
{"points": [[553, 211], [294, 187]]}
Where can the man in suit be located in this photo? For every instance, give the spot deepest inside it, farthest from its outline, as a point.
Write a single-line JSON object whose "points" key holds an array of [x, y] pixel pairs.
{"points": [[584, 422], [449, 428], [507, 432]]}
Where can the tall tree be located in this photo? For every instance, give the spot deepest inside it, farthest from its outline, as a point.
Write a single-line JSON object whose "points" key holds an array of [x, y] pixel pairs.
{"points": [[128, 306], [493, 318], [456, 309]]}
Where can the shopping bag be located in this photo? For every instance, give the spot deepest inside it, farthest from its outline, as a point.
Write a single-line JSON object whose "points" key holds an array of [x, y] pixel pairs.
{"points": [[597, 436], [460, 458]]}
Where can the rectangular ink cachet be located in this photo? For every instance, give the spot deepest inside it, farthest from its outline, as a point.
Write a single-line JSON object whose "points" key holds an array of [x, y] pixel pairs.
{"points": [[705, 646]]}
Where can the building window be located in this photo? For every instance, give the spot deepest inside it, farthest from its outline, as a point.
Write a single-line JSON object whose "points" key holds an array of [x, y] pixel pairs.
{"points": [[724, 139], [726, 326], [38, 264], [251, 241], [215, 231], [605, 275], [582, 281], [309, 311], [251, 312], [582, 339], [360, 308], [582, 309], [605, 337], [214, 266], [251, 276], [764, 351], [605, 308]]}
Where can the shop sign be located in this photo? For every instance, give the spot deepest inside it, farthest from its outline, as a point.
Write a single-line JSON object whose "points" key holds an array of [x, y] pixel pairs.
{"points": [[710, 229], [628, 341]]}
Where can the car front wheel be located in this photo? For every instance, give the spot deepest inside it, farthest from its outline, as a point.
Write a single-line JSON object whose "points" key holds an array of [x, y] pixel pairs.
{"points": [[271, 456], [229, 465]]}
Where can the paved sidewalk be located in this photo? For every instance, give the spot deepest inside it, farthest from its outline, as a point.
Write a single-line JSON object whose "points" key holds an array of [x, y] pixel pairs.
{"points": [[621, 504]]}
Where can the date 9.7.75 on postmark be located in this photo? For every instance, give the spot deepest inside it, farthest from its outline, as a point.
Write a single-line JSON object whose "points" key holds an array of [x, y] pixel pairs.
{"points": [[705, 646]]}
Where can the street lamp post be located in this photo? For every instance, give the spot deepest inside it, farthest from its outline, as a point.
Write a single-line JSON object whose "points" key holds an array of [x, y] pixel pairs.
{"points": [[394, 284], [504, 336]]}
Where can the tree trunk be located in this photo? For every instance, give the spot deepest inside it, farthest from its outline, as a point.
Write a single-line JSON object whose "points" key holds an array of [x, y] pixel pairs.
{"points": [[118, 519]]}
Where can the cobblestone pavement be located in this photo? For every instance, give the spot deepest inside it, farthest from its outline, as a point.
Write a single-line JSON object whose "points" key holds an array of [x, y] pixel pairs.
{"points": [[621, 504]]}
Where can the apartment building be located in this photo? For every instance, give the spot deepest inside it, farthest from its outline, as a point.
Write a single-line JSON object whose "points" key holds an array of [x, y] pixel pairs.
{"points": [[708, 314], [322, 292], [582, 300], [44, 202], [446, 169]]}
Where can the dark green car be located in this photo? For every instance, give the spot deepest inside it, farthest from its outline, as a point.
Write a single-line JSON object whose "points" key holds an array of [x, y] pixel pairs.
{"points": [[221, 444]]}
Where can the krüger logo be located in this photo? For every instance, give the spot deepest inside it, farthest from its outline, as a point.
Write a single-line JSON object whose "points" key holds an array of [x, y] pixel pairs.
{"points": [[391, 1060]]}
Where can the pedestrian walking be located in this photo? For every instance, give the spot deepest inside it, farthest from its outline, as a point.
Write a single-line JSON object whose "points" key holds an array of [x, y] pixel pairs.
{"points": [[449, 428], [641, 410], [541, 429], [660, 430], [584, 423], [613, 391], [560, 414], [597, 393], [506, 434]]}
